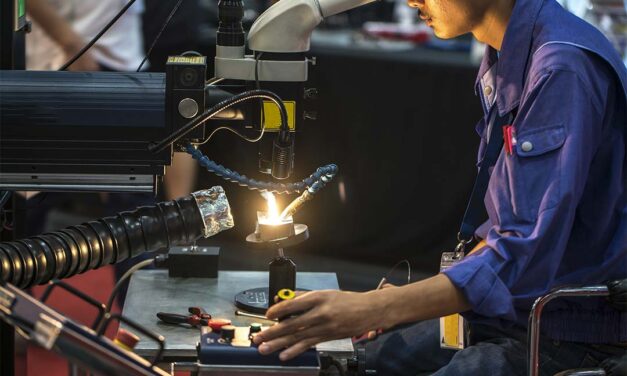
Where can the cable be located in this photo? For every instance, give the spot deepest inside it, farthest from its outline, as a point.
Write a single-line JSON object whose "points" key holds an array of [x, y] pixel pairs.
{"points": [[213, 111], [123, 279], [154, 41], [213, 81], [4, 197], [97, 37], [314, 183], [405, 261], [258, 86]]}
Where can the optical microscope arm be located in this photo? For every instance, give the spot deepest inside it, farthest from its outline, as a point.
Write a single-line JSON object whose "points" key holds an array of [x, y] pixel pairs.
{"points": [[287, 26]]}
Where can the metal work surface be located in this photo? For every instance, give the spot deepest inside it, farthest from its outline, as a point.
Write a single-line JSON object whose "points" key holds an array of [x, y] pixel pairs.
{"points": [[152, 291]]}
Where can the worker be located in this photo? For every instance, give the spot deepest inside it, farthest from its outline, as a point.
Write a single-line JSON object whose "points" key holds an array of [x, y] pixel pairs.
{"points": [[555, 202]]}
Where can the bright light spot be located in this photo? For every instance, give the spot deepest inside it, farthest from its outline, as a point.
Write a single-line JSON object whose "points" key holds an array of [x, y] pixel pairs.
{"points": [[273, 210]]}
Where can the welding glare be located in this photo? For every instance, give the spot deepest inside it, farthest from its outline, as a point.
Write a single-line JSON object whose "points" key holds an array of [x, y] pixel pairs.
{"points": [[273, 210]]}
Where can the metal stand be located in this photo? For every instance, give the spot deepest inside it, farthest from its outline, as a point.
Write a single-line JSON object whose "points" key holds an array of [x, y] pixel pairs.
{"points": [[282, 272]]}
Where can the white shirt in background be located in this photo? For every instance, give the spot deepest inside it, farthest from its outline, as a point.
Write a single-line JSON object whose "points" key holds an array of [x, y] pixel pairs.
{"points": [[121, 48]]}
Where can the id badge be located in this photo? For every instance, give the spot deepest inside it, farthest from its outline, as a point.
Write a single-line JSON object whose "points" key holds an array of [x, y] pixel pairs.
{"points": [[452, 332]]}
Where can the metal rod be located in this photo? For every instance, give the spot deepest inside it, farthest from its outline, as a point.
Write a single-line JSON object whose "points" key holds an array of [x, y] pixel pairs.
{"points": [[533, 332], [281, 253], [246, 314]]}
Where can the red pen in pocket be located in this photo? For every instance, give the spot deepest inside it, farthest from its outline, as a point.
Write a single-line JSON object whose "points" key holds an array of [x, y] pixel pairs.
{"points": [[509, 139]]}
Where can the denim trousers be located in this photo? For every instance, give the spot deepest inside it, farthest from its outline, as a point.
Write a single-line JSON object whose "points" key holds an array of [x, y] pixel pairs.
{"points": [[415, 350]]}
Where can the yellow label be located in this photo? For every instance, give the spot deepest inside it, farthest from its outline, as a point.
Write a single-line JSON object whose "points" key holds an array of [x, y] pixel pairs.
{"points": [[272, 115], [186, 60], [452, 332]]}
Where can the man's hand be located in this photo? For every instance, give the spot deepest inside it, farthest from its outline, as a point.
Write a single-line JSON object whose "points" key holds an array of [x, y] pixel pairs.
{"points": [[324, 316], [328, 315]]}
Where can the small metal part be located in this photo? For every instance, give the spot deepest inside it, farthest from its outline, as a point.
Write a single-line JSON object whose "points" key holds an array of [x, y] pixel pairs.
{"points": [[527, 146], [269, 229], [215, 210], [311, 93], [246, 314], [7, 299], [188, 108], [310, 115], [47, 331], [301, 233]]}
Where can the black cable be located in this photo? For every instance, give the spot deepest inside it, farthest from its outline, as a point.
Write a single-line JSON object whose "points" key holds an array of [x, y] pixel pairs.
{"points": [[258, 86], [4, 197], [154, 41], [123, 279], [97, 37], [200, 119], [406, 262]]}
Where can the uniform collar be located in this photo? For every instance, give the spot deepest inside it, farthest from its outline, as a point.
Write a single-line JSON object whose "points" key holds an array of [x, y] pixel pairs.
{"points": [[515, 51]]}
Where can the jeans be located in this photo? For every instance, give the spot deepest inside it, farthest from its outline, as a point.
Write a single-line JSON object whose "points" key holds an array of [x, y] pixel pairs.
{"points": [[415, 350]]}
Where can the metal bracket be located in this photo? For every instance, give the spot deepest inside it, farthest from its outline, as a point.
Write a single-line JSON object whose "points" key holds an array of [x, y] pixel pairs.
{"points": [[277, 71], [47, 331], [7, 300]]}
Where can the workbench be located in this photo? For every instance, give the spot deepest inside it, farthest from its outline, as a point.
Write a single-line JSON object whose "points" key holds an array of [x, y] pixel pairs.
{"points": [[152, 291]]}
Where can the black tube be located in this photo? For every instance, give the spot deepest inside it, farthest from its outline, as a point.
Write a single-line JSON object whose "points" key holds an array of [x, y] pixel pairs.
{"points": [[77, 249]]}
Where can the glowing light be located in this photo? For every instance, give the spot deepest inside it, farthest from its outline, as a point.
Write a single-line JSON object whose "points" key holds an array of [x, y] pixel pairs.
{"points": [[273, 216]]}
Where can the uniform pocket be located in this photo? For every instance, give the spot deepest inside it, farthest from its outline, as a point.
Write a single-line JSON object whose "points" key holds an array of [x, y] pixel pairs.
{"points": [[535, 171]]}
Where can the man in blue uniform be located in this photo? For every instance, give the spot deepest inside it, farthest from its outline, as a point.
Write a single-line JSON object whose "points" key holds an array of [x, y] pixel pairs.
{"points": [[556, 203]]}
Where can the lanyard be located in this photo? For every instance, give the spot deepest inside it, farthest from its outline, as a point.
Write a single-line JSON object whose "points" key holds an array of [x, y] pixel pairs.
{"points": [[476, 213]]}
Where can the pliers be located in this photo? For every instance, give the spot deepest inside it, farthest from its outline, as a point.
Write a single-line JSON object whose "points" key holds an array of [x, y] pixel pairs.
{"points": [[196, 317]]}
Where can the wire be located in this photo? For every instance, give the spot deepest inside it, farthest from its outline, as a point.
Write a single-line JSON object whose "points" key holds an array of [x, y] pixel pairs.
{"points": [[214, 81], [258, 85], [405, 261], [213, 111], [123, 279], [97, 37], [4, 197], [154, 41]]}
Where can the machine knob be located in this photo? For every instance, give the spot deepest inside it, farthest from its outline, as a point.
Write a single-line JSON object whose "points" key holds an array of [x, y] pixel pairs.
{"points": [[254, 328], [228, 333]]}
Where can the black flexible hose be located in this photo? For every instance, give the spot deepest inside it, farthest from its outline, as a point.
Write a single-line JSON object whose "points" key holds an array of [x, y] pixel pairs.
{"points": [[77, 249]]}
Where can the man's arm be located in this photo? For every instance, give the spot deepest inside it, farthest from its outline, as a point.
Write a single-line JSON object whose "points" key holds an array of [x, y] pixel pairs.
{"points": [[59, 30], [335, 314]]}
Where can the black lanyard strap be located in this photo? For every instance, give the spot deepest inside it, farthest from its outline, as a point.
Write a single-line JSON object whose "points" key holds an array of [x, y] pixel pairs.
{"points": [[476, 213]]}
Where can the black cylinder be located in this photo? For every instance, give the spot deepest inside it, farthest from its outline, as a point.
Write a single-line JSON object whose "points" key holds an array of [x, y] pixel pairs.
{"points": [[77, 249], [230, 30], [282, 276], [282, 159]]}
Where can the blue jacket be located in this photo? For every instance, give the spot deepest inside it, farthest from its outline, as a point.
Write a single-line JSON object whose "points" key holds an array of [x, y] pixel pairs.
{"points": [[557, 205]]}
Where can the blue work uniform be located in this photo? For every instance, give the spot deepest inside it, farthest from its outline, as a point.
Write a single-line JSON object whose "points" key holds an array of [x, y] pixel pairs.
{"points": [[557, 205]]}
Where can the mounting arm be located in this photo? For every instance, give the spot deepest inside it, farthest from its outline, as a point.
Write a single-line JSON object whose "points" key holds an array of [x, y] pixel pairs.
{"points": [[286, 27]]}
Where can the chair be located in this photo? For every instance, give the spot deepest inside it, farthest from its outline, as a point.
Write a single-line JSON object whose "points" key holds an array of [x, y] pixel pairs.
{"points": [[615, 290]]}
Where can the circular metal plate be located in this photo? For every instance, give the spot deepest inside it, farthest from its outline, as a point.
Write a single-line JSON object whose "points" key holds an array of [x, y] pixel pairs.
{"points": [[301, 233]]}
